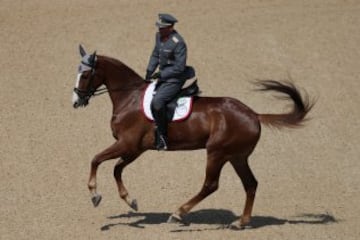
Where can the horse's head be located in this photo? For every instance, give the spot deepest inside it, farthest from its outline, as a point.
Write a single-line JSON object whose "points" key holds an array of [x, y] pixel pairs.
{"points": [[88, 79]]}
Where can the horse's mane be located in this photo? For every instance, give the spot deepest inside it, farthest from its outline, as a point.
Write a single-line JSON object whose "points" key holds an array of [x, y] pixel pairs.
{"points": [[119, 64], [129, 77], [112, 60]]}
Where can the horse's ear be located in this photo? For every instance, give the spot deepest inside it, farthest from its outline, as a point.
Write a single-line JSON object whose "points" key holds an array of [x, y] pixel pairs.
{"points": [[82, 50], [92, 57]]}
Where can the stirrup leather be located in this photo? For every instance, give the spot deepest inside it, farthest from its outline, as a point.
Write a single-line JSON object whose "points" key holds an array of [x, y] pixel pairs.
{"points": [[162, 145], [160, 141]]}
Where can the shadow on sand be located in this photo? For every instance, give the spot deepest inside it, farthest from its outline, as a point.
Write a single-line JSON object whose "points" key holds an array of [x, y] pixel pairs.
{"points": [[215, 218]]}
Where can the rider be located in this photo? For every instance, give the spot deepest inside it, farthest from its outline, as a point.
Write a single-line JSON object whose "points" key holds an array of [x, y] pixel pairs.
{"points": [[170, 55]]}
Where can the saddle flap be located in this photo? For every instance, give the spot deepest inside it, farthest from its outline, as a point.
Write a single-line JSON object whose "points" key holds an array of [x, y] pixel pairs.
{"points": [[180, 108]]}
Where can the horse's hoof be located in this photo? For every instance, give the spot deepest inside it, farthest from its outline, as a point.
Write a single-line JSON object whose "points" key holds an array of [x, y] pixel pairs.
{"points": [[134, 205], [174, 218], [237, 225], [96, 199]]}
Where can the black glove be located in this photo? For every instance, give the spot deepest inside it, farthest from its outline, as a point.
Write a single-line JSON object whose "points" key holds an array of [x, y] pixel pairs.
{"points": [[148, 76], [156, 75]]}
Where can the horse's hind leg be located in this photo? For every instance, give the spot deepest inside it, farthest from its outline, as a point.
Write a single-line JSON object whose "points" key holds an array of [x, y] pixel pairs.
{"points": [[249, 182], [118, 169], [215, 162]]}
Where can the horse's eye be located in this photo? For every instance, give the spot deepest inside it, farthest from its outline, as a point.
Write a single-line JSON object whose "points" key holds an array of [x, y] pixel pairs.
{"points": [[84, 76]]}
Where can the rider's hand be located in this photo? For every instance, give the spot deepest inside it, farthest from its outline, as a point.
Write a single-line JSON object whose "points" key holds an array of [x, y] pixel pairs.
{"points": [[156, 75], [148, 76]]}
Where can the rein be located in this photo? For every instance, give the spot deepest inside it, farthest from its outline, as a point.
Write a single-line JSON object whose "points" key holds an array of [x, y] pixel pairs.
{"points": [[100, 91], [103, 90]]}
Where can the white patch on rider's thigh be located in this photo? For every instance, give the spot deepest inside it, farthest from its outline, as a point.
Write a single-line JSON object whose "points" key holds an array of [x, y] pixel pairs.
{"points": [[75, 97]]}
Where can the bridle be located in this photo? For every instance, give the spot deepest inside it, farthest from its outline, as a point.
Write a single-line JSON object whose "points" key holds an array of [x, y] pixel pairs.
{"points": [[90, 91], [85, 95]]}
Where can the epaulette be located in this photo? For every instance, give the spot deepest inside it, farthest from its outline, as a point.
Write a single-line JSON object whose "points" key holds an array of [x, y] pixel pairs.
{"points": [[175, 39]]}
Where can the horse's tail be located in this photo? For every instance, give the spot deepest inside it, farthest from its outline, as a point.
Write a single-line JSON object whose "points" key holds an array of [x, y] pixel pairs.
{"points": [[294, 118]]}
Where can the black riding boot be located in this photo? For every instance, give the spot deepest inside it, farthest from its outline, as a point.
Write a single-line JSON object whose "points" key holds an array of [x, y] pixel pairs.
{"points": [[161, 129]]}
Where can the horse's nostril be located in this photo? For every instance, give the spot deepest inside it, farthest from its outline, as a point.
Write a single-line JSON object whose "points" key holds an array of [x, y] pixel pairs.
{"points": [[75, 105]]}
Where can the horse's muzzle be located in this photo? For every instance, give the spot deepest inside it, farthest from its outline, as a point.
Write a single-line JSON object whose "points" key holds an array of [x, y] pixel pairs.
{"points": [[75, 105], [80, 103]]}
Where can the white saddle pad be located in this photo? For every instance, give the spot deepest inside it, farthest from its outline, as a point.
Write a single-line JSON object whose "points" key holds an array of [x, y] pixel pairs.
{"points": [[182, 111]]}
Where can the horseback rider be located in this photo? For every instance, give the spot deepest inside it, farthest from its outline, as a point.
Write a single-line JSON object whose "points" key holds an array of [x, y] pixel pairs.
{"points": [[169, 54]]}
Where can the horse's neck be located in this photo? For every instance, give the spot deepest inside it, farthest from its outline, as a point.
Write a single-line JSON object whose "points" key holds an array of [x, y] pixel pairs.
{"points": [[125, 100], [124, 85]]}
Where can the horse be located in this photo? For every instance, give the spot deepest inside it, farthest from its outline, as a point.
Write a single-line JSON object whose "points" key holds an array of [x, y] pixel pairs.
{"points": [[228, 129]]}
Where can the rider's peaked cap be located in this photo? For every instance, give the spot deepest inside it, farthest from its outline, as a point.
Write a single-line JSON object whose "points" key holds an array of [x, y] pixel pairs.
{"points": [[165, 20]]}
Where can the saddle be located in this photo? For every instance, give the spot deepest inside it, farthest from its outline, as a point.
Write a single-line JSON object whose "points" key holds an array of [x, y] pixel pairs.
{"points": [[180, 107]]}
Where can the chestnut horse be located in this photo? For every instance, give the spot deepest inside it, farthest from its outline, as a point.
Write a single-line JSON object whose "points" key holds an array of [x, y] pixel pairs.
{"points": [[228, 129]]}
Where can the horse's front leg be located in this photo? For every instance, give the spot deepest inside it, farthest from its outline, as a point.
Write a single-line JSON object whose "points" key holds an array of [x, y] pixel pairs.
{"points": [[114, 151], [118, 169]]}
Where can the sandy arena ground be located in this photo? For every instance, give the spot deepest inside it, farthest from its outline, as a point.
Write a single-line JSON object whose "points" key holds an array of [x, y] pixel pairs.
{"points": [[309, 178]]}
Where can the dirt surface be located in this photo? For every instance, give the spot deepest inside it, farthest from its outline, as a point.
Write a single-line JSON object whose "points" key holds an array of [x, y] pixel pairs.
{"points": [[309, 178]]}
